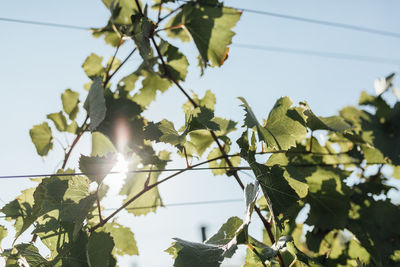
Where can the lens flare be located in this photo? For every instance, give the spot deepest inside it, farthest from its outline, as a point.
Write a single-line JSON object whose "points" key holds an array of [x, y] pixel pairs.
{"points": [[115, 180]]}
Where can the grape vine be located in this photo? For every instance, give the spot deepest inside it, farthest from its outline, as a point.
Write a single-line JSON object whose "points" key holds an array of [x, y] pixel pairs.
{"points": [[342, 178]]}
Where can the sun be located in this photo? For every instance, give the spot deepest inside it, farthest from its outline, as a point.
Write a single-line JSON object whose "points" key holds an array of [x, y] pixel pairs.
{"points": [[118, 175]]}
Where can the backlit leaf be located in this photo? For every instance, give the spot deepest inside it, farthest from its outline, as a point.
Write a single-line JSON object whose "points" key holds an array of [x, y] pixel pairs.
{"points": [[42, 138], [70, 100], [93, 66], [210, 26]]}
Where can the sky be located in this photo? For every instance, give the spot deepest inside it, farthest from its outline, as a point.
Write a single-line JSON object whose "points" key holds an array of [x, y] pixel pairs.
{"points": [[38, 63]]}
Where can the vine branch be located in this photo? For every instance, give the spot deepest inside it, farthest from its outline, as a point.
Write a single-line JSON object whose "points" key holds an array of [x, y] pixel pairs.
{"points": [[235, 174]]}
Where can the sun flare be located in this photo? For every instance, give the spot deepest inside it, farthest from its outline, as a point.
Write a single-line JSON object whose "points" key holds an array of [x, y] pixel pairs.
{"points": [[118, 172]]}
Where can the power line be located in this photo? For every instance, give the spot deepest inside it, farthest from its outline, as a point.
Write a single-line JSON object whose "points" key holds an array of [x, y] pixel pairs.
{"points": [[318, 53], [47, 24], [121, 172], [241, 45], [178, 204], [308, 20], [181, 170]]}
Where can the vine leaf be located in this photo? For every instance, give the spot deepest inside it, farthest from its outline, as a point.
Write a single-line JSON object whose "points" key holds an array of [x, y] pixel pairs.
{"points": [[177, 64], [93, 66], [121, 10], [221, 163], [97, 168], [61, 124], [143, 29], [151, 83], [285, 125], [328, 195], [28, 254], [333, 123], [193, 254], [283, 128], [99, 248], [70, 101], [21, 210], [95, 103], [210, 27], [125, 243], [135, 182], [223, 244], [3, 232], [101, 145], [42, 138]]}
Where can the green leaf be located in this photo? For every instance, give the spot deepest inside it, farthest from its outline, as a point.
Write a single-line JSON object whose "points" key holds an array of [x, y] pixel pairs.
{"points": [[169, 134], [30, 254], [208, 101], [3, 232], [42, 138], [283, 128], [125, 243], [226, 233], [97, 168], [126, 9], [221, 163], [70, 101], [328, 195], [99, 249], [22, 211], [101, 145], [135, 182], [210, 27], [143, 29], [200, 118], [93, 66], [333, 123], [285, 125], [177, 63], [192, 254], [276, 187], [95, 103], [200, 140], [59, 120], [150, 85]]}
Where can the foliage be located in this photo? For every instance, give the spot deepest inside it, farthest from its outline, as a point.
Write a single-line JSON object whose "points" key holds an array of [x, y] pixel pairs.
{"points": [[342, 178]]}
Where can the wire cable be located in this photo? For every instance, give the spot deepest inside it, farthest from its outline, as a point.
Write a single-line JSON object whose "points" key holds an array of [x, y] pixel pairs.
{"points": [[307, 20], [47, 24], [180, 204], [241, 45], [121, 172], [318, 53], [177, 204]]}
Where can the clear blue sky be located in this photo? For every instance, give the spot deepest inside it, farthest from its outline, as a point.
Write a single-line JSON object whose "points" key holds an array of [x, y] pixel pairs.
{"points": [[39, 63]]}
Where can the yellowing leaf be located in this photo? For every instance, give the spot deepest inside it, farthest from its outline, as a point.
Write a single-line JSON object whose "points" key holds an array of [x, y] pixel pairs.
{"points": [[42, 138]]}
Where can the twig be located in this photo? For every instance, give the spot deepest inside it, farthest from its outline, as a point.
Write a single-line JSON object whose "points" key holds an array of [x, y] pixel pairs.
{"points": [[169, 14], [111, 63], [122, 63], [81, 130]]}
